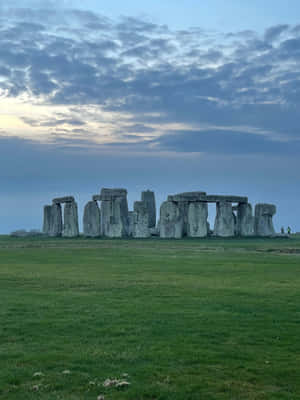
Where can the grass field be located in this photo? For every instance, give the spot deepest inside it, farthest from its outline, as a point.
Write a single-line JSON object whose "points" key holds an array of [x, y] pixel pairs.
{"points": [[190, 319]]}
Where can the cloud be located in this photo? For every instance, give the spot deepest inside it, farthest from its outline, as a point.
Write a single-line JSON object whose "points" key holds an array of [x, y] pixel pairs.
{"points": [[225, 142], [145, 72], [274, 32]]}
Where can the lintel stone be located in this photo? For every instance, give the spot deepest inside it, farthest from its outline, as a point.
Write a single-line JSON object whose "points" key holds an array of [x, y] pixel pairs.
{"points": [[65, 199], [212, 198]]}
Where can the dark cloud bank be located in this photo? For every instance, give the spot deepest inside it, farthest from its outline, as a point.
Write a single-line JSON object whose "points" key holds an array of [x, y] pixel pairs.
{"points": [[235, 95]]}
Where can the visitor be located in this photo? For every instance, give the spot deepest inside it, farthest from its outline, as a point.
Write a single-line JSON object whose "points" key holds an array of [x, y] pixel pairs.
{"points": [[289, 231], [282, 230]]}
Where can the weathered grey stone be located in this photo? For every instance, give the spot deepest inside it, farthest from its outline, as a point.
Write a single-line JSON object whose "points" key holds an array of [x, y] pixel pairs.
{"points": [[263, 219], [197, 219], [110, 194], [140, 220], [209, 231], [148, 197], [19, 233], [212, 198], [188, 197], [96, 197], [224, 222], [56, 220], [47, 219], [245, 220], [114, 215], [202, 196], [70, 226], [171, 220], [130, 222], [154, 231], [65, 199], [24, 233], [91, 220]]}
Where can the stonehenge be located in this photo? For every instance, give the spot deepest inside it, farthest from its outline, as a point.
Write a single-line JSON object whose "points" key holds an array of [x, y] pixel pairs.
{"points": [[54, 224], [92, 219], [197, 219], [225, 220], [148, 197], [245, 220], [70, 224], [263, 219], [114, 213], [181, 215], [171, 220], [141, 218]]}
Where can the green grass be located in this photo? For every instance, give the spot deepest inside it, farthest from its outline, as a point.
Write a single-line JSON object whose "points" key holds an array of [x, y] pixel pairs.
{"points": [[190, 319]]}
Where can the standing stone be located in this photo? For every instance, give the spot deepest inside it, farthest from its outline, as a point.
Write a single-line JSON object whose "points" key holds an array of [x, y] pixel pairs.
{"points": [[47, 220], [91, 220], [171, 220], [141, 220], [70, 227], [263, 219], [224, 222], [148, 197], [197, 219], [130, 222], [234, 216], [56, 221], [245, 220], [114, 213]]}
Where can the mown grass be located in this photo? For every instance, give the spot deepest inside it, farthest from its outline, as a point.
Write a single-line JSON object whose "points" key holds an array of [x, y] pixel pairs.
{"points": [[191, 319]]}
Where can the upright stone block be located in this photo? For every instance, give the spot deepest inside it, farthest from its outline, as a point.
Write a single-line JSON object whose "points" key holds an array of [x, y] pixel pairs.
{"points": [[197, 219], [131, 216], [47, 219], [245, 220], [91, 220], [56, 221], [70, 227], [114, 213], [171, 220], [148, 197], [264, 219], [141, 220], [224, 222]]}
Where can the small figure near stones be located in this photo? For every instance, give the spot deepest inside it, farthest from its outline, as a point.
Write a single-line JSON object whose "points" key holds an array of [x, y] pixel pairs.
{"points": [[289, 230], [282, 230]]}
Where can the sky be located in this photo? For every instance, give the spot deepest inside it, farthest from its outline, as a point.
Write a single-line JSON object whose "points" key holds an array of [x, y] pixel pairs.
{"points": [[171, 96]]}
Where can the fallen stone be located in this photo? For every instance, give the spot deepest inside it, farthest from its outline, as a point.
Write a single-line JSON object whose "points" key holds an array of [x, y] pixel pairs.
{"points": [[197, 219], [171, 220], [148, 197], [65, 199], [224, 222], [140, 220], [20, 233], [264, 219], [245, 220], [92, 220], [70, 226]]}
